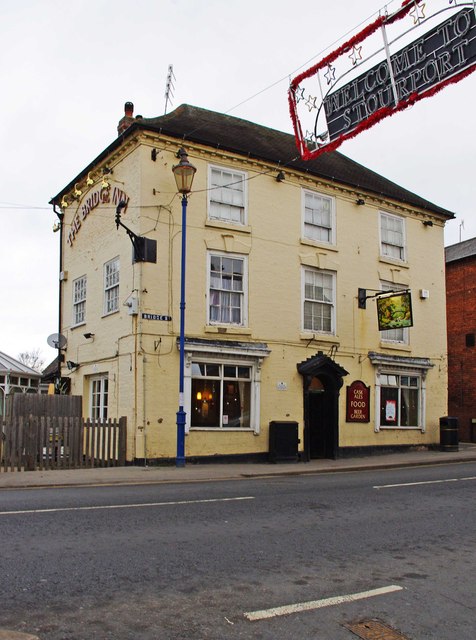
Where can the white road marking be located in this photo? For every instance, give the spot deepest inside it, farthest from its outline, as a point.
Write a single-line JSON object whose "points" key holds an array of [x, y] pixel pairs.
{"points": [[318, 604], [415, 484], [124, 506]]}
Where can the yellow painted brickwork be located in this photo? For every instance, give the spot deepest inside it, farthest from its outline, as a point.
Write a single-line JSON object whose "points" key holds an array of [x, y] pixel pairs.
{"points": [[140, 357]]}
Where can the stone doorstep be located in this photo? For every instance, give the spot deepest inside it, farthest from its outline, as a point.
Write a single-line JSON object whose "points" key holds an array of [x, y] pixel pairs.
{"points": [[5, 634]]}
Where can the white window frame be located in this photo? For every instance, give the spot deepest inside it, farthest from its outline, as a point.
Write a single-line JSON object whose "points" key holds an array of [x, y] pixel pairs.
{"points": [[79, 301], [312, 229], [399, 373], [111, 286], [251, 356], [99, 397], [221, 379], [225, 204], [387, 364], [392, 241], [331, 304], [243, 294], [394, 336]]}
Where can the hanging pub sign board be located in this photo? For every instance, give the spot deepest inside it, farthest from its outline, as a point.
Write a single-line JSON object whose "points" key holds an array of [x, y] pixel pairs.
{"points": [[358, 402], [389, 65], [394, 311]]}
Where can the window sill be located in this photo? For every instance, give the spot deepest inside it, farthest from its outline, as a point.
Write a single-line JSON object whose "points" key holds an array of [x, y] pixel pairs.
{"points": [[319, 337], [229, 226], [110, 313], [320, 245], [395, 346], [220, 429], [396, 428], [228, 329], [76, 326], [394, 261]]}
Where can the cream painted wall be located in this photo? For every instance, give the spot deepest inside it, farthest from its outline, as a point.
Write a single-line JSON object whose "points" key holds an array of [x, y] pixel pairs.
{"points": [[140, 357]]}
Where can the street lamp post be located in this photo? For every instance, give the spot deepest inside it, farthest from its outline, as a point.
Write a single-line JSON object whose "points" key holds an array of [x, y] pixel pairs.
{"points": [[183, 173]]}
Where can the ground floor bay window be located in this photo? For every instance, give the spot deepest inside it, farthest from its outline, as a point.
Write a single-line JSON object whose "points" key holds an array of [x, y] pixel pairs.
{"points": [[221, 395], [222, 385], [400, 391]]}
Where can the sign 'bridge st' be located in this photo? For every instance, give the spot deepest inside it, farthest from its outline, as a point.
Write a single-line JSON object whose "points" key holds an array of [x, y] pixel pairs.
{"points": [[362, 91]]}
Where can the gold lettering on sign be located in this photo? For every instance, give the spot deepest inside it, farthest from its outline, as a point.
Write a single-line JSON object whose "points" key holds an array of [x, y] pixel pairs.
{"points": [[101, 196]]}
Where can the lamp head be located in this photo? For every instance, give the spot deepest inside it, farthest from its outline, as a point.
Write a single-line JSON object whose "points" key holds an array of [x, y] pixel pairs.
{"points": [[184, 173]]}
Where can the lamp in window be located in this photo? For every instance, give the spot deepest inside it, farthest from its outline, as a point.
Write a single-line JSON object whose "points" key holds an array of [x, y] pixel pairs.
{"points": [[184, 173]]}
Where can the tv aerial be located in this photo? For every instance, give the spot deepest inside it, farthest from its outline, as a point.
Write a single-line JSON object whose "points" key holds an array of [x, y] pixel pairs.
{"points": [[56, 341]]}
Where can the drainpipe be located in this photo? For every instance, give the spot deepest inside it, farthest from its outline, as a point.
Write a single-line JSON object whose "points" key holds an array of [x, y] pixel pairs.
{"points": [[60, 216]]}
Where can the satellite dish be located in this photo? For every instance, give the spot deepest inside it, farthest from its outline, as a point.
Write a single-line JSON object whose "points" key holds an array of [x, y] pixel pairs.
{"points": [[56, 340]]}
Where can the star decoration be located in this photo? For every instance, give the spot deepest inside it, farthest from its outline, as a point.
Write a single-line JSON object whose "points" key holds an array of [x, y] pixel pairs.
{"points": [[356, 54], [418, 13], [299, 95], [330, 74], [310, 139], [311, 103]]}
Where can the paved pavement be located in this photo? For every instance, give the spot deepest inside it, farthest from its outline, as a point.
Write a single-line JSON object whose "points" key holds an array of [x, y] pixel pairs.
{"points": [[228, 471]]}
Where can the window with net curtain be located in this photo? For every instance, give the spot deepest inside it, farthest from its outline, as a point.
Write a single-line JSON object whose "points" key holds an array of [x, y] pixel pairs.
{"points": [[221, 396], [226, 289]]}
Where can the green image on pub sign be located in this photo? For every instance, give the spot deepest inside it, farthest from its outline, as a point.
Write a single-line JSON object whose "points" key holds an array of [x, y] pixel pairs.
{"points": [[395, 311]]}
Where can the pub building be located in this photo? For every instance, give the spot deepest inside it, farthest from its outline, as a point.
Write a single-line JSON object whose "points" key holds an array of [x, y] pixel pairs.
{"points": [[315, 321]]}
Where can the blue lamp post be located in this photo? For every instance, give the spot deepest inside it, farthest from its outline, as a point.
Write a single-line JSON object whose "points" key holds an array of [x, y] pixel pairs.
{"points": [[183, 173]]}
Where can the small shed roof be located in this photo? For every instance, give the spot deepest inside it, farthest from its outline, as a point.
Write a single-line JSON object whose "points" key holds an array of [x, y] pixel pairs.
{"points": [[10, 365]]}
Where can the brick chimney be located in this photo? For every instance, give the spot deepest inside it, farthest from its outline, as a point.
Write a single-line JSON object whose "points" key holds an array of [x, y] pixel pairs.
{"points": [[127, 120]]}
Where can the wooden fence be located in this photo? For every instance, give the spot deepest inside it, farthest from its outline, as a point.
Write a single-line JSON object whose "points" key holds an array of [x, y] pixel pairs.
{"points": [[36, 404], [32, 442]]}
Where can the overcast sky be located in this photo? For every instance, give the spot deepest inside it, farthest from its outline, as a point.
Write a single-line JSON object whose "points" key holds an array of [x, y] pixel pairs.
{"points": [[66, 69]]}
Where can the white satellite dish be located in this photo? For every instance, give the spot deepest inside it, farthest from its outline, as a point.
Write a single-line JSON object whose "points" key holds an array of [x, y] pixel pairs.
{"points": [[57, 341]]}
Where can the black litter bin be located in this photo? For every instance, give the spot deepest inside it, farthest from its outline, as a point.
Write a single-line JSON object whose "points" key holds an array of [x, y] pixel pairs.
{"points": [[283, 441], [448, 434]]}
